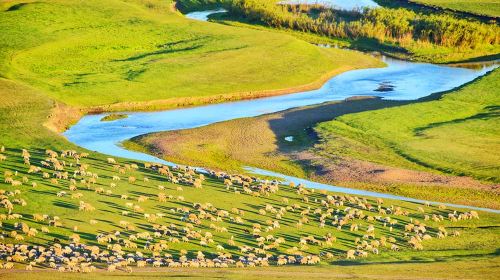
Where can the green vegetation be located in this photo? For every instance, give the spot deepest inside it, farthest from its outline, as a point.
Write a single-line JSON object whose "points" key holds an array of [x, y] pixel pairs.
{"points": [[121, 55], [474, 250], [405, 33], [113, 117], [429, 135], [479, 7], [22, 111]]}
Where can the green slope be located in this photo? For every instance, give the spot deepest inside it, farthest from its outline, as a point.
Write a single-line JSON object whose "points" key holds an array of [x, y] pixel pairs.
{"points": [[479, 7], [88, 53]]}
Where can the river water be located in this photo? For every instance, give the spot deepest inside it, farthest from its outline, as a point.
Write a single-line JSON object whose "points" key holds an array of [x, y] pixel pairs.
{"points": [[400, 80], [347, 5]]}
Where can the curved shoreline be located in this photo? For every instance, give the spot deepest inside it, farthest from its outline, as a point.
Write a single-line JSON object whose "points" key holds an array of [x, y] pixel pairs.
{"points": [[185, 102]]}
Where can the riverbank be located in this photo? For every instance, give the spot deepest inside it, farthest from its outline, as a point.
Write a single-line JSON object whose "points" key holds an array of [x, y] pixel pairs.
{"points": [[261, 142], [182, 102]]}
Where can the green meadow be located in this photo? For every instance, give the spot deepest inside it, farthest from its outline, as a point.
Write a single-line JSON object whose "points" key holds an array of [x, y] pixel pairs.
{"points": [[476, 244], [479, 7], [93, 53]]}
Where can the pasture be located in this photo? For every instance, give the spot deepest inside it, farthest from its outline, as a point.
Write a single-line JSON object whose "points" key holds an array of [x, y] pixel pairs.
{"points": [[70, 213], [113, 214], [162, 216], [143, 55]]}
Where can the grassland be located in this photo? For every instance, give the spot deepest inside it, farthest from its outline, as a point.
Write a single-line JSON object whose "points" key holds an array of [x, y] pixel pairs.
{"points": [[478, 7], [379, 154], [40, 76], [136, 53]]}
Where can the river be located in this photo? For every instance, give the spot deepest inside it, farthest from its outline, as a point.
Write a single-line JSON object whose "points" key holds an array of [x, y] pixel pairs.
{"points": [[400, 80]]}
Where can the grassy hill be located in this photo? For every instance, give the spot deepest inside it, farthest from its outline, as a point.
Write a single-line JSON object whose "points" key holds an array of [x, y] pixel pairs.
{"points": [[478, 7], [93, 53]]}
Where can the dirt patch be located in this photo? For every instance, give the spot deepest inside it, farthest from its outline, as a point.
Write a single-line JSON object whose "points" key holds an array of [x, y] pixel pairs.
{"points": [[62, 116], [261, 142]]}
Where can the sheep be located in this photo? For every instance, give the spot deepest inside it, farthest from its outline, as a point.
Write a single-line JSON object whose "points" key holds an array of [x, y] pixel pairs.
{"points": [[8, 265], [351, 255]]}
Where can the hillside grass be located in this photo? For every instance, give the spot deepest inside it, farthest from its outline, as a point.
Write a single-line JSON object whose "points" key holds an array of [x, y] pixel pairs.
{"points": [[478, 7], [457, 134], [131, 52]]}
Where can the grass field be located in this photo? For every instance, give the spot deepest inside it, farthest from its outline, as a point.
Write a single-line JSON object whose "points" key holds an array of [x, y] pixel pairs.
{"points": [[141, 51], [360, 155], [479, 7]]}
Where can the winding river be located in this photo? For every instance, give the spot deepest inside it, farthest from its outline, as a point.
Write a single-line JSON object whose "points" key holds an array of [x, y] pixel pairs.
{"points": [[400, 80]]}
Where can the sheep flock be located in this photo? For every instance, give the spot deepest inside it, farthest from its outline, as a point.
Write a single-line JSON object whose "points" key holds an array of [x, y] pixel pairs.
{"points": [[72, 211]]}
